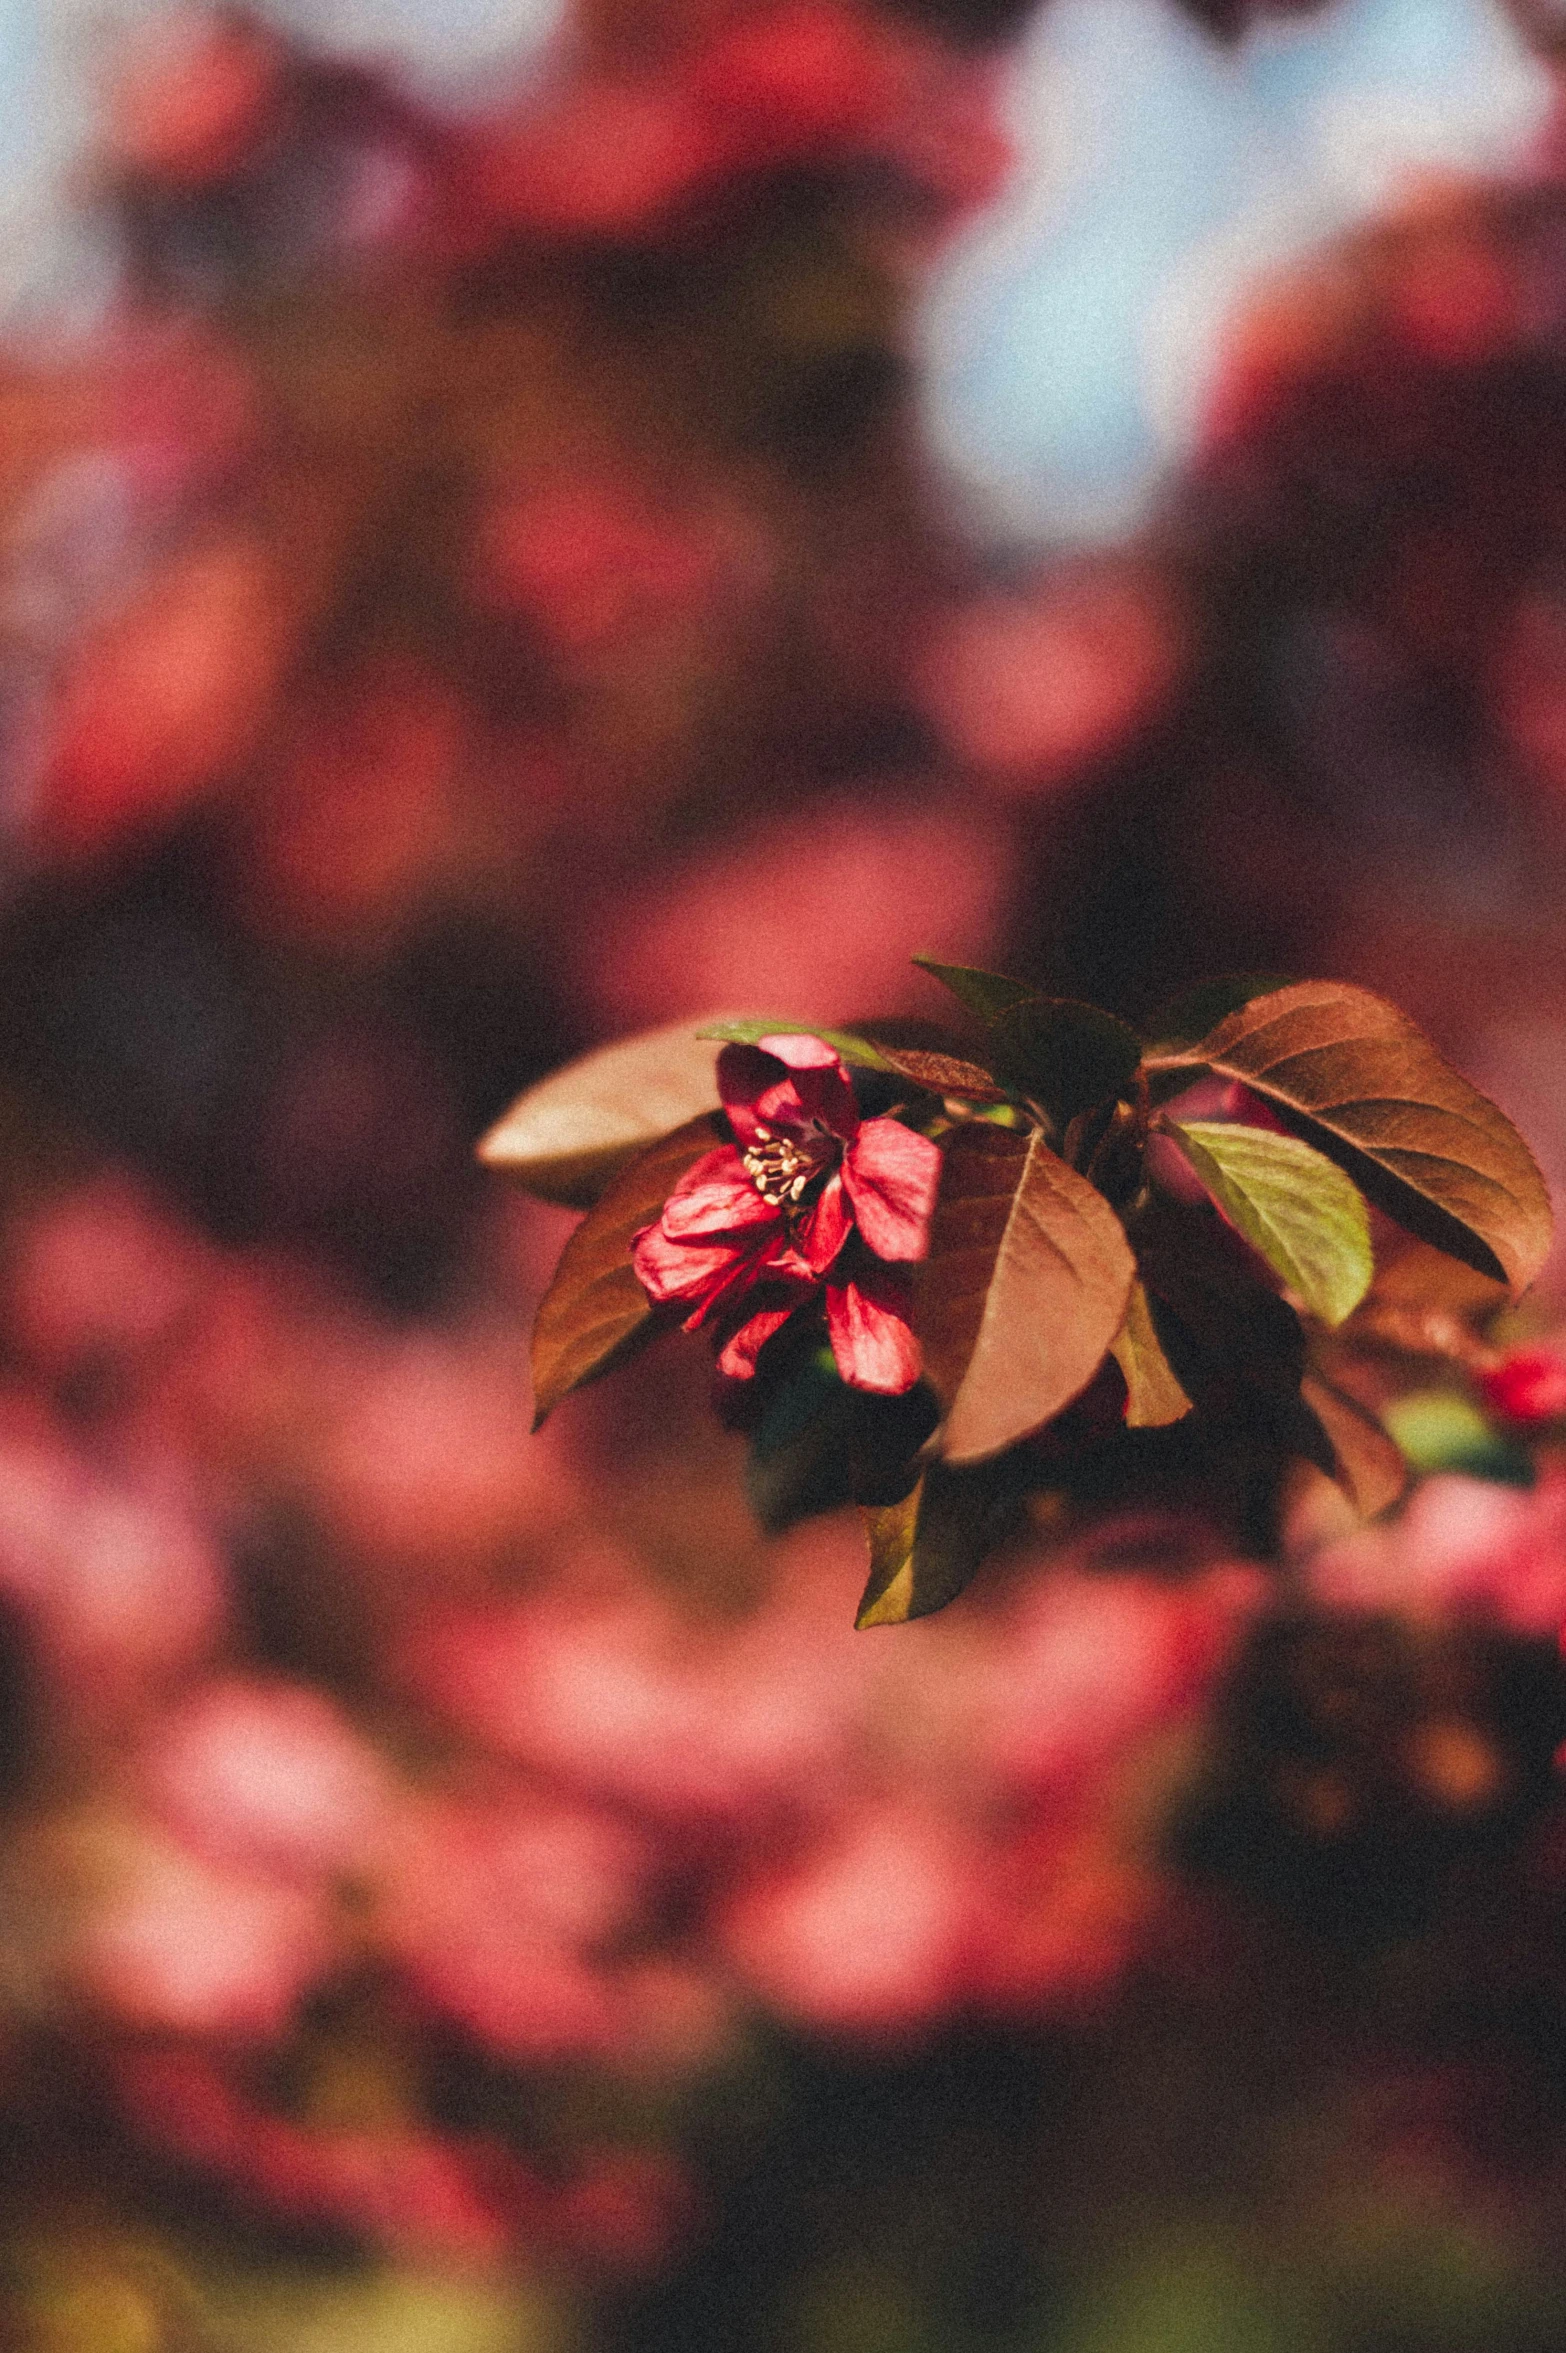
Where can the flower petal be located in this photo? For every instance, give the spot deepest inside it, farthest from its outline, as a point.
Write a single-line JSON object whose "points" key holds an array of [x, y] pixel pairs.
{"points": [[872, 1340], [820, 1236], [738, 1359], [744, 1075], [684, 1270], [818, 1082], [892, 1175], [798, 1050], [760, 1087], [715, 1197]]}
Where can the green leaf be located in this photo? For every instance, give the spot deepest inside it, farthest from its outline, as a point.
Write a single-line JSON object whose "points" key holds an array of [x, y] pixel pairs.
{"points": [[1024, 1288], [1437, 1430], [1068, 1056], [567, 1137], [1366, 1462], [1375, 1096], [925, 1549], [1292, 1204], [1154, 1397], [1189, 1017], [595, 1312], [984, 993], [854, 1049]]}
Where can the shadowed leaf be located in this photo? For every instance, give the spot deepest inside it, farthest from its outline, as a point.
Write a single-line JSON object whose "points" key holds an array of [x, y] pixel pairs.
{"points": [[1373, 1094], [1237, 1349], [1067, 1056], [1190, 1016], [595, 1311], [1366, 1462], [1024, 1288], [820, 1443], [925, 1549], [984, 993], [1291, 1203], [565, 1138], [1154, 1397]]}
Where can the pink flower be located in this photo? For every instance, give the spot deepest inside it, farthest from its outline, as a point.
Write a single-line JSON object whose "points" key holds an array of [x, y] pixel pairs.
{"points": [[762, 1225]]}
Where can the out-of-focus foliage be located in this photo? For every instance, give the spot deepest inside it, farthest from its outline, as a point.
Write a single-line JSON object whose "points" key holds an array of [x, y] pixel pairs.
{"points": [[478, 583]]}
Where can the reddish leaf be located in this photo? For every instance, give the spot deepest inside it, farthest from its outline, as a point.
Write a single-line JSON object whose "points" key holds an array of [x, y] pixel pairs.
{"points": [[1373, 1094], [595, 1311], [1422, 1303], [1366, 1462], [565, 1138], [1024, 1289], [941, 1074]]}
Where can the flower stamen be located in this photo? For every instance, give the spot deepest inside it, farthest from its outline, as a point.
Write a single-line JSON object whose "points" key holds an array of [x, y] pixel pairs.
{"points": [[781, 1169]]}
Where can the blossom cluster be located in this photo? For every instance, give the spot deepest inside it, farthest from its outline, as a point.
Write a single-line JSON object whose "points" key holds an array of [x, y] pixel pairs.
{"points": [[583, 1824]]}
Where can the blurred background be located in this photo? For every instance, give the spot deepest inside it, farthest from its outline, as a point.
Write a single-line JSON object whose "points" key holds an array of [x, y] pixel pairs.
{"points": [[523, 519]]}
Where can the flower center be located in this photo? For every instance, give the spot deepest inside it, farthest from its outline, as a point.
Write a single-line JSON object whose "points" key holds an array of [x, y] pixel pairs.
{"points": [[780, 1168]]}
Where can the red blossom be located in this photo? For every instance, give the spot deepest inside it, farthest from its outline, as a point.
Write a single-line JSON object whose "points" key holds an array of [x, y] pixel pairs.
{"points": [[760, 1226], [1529, 1386]]}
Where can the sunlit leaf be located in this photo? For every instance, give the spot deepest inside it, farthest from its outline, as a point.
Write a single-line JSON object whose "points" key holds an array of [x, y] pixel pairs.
{"points": [[1154, 1397], [854, 1049], [984, 993], [925, 1549], [1373, 1094], [1307, 1219], [595, 1311], [1366, 1462], [1068, 1056], [565, 1138], [1023, 1291]]}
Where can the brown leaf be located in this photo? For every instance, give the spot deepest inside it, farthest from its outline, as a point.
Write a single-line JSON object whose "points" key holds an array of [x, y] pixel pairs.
{"points": [[1024, 1288], [1423, 1303], [595, 1311], [1366, 1462], [567, 1137], [941, 1074], [1371, 1092], [1154, 1397]]}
